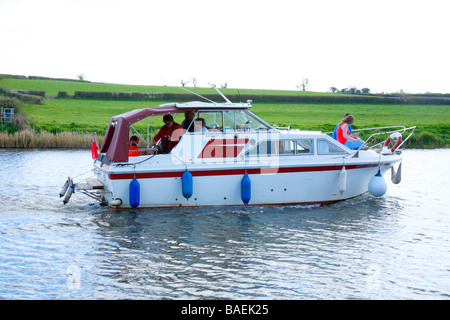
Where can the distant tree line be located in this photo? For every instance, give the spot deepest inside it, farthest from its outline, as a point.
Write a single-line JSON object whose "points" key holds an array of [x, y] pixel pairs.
{"points": [[350, 90]]}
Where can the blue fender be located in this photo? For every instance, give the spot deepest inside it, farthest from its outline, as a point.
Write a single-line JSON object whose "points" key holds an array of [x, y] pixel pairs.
{"points": [[134, 193], [246, 189], [187, 184]]}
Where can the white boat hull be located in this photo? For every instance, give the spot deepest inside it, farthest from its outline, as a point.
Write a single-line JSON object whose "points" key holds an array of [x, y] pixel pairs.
{"points": [[309, 184]]}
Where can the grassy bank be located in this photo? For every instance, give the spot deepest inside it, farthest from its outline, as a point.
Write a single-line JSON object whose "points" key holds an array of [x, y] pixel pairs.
{"points": [[58, 115], [71, 122]]}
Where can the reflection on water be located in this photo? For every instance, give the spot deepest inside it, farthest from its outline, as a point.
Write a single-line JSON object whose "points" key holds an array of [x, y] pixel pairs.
{"points": [[365, 248]]}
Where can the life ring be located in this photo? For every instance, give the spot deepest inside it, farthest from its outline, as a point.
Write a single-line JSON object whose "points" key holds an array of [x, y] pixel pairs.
{"points": [[395, 135]]}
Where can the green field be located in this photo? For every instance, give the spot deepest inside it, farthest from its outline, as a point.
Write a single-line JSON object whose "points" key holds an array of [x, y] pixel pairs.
{"points": [[91, 115], [88, 115], [52, 87], [94, 115]]}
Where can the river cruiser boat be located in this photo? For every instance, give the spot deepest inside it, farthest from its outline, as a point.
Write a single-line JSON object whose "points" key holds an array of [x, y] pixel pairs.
{"points": [[236, 158]]}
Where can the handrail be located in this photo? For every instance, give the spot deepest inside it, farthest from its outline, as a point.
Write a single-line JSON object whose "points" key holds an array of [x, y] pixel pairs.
{"points": [[376, 128], [401, 131]]}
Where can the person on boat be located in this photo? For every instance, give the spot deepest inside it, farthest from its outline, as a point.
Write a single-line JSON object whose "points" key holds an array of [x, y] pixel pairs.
{"points": [[133, 147], [200, 125], [169, 134], [349, 129], [343, 134], [188, 122]]}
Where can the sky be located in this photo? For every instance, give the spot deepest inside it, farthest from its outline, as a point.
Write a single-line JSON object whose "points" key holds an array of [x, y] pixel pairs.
{"points": [[384, 45]]}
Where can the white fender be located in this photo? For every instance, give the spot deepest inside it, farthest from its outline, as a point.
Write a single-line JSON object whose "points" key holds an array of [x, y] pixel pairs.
{"points": [[116, 202], [377, 186], [396, 177], [69, 192], [64, 188], [343, 180]]}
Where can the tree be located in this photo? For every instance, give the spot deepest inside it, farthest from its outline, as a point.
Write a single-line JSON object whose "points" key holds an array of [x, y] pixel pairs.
{"points": [[352, 90], [333, 89], [304, 84], [81, 76], [365, 90]]}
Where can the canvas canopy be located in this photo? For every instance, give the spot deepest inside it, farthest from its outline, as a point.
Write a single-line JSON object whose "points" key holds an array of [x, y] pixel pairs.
{"points": [[115, 144]]}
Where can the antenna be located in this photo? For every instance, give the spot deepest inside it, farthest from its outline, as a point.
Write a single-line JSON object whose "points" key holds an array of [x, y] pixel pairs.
{"points": [[198, 95], [239, 93], [214, 86]]}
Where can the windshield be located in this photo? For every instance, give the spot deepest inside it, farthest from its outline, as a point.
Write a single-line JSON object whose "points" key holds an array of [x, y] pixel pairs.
{"points": [[232, 120]]}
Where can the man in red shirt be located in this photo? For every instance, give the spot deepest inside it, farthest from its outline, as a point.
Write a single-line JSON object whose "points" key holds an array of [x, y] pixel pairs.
{"points": [[169, 134]]}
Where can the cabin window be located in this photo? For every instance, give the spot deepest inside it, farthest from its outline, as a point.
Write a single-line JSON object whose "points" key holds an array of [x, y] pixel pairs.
{"points": [[229, 118], [213, 120], [242, 121], [287, 147], [264, 148], [326, 147], [298, 146], [283, 147], [304, 146]]}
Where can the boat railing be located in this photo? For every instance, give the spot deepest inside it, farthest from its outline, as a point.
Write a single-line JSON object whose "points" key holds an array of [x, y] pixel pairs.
{"points": [[383, 135], [288, 128], [375, 128]]}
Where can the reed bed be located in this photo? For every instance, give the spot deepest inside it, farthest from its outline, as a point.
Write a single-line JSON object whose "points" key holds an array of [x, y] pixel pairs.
{"points": [[29, 138]]}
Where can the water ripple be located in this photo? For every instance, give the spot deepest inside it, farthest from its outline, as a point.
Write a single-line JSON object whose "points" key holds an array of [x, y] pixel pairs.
{"points": [[394, 247]]}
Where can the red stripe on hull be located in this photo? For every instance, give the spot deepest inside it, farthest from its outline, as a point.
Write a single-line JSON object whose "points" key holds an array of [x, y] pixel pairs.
{"points": [[205, 173]]}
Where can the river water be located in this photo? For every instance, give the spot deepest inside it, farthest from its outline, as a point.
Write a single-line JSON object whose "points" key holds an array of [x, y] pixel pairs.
{"points": [[393, 247]]}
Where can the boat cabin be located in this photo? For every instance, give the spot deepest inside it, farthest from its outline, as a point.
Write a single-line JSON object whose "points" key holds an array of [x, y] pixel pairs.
{"points": [[218, 117]]}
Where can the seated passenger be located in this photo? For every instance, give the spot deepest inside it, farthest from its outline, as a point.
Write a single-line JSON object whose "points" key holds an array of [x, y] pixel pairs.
{"points": [[133, 147], [355, 135], [343, 135], [200, 125], [187, 123], [169, 134]]}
